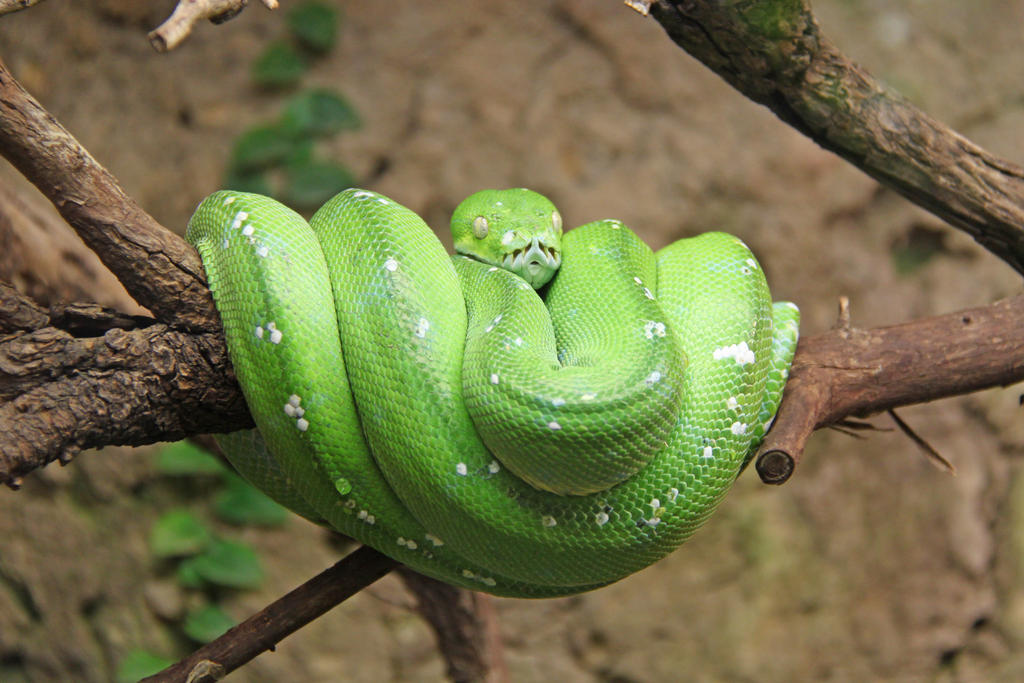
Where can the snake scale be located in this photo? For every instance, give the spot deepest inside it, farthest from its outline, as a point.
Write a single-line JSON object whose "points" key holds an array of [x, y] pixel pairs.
{"points": [[539, 415]]}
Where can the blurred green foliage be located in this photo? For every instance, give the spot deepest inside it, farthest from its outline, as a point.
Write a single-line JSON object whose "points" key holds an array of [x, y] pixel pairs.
{"points": [[279, 158]]}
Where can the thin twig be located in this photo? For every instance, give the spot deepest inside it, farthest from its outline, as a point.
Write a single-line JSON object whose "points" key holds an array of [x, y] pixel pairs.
{"points": [[265, 629], [7, 6], [188, 13]]}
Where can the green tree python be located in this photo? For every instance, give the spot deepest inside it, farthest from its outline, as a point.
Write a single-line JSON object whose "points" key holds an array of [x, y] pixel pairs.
{"points": [[538, 415]]}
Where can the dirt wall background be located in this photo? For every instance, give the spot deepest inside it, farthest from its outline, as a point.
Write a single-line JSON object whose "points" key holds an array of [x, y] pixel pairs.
{"points": [[869, 565]]}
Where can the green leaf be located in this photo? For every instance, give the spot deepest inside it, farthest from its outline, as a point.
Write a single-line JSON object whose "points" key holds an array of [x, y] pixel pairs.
{"points": [[206, 623], [314, 25], [319, 112], [228, 563], [186, 458], [188, 576], [309, 185], [138, 664], [279, 66], [247, 181], [242, 503], [916, 248], [261, 147], [178, 533]]}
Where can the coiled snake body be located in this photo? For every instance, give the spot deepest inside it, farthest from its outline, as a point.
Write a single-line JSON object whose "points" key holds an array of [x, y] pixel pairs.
{"points": [[440, 410]]}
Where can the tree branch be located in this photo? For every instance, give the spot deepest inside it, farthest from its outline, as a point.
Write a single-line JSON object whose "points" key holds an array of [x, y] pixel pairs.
{"points": [[188, 13], [157, 267], [7, 6], [265, 629], [774, 53], [854, 372]]}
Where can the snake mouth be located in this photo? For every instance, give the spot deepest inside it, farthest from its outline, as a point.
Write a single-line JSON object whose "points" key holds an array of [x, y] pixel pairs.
{"points": [[535, 262]]}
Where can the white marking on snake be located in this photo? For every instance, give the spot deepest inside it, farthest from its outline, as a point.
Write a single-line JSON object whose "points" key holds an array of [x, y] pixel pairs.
{"points": [[558, 402], [259, 332], [263, 251], [295, 400], [655, 503], [518, 341], [653, 378], [673, 493], [493, 467], [289, 410], [421, 328], [494, 378], [229, 200], [461, 469], [548, 521], [299, 412], [601, 518], [391, 264], [302, 424], [654, 329], [731, 404], [275, 336], [740, 352], [554, 426], [738, 428], [588, 397], [248, 230], [647, 293], [708, 452], [239, 219], [434, 540]]}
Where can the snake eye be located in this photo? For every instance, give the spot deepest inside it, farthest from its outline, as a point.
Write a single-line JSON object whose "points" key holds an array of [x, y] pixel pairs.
{"points": [[556, 220], [480, 227]]}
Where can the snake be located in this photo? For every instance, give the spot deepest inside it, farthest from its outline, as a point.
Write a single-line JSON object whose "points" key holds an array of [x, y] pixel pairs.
{"points": [[540, 414]]}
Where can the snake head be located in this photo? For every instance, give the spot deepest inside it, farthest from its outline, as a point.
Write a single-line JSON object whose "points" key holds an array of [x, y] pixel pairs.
{"points": [[518, 230]]}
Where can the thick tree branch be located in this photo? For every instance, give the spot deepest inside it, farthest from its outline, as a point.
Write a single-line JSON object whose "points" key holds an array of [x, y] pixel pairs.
{"points": [[61, 393], [774, 53], [465, 625], [157, 267], [855, 372]]}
